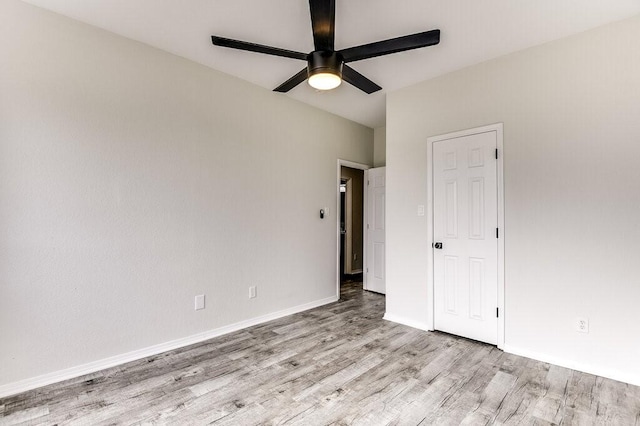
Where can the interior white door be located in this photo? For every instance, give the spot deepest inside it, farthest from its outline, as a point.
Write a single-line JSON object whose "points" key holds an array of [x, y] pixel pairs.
{"points": [[465, 221], [375, 271]]}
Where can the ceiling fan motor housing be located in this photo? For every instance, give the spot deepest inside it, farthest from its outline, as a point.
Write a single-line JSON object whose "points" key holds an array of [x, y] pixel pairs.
{"points": [[325, 61]]}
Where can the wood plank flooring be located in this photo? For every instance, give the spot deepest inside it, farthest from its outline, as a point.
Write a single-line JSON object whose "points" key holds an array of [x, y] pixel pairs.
{"points": [[338, 364]]}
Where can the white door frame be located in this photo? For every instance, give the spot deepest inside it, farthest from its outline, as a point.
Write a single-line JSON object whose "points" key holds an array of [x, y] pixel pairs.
{"points": [[498, 128], [358, 166]]}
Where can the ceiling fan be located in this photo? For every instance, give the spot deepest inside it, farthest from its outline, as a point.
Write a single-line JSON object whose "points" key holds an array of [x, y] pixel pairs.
{"points": [[327, 67]]}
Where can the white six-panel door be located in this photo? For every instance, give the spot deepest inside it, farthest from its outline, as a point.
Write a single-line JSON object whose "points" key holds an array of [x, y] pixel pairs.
{"points": [[374, 279], [465, 221]]}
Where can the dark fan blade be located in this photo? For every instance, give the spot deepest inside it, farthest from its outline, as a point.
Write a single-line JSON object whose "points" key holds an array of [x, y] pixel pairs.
{"points": [[399, 44], [243, 45], [323, 20], [354, 78], [292, 82]]}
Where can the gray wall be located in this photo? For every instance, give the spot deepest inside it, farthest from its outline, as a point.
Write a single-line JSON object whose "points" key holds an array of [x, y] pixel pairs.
{"points": [[571, 114], [132, 180], [379, 147]]}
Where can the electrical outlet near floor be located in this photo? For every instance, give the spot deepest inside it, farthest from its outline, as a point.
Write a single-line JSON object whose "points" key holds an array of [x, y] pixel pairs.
{"points": [[252, 292], [199, 303], [582, 325]]}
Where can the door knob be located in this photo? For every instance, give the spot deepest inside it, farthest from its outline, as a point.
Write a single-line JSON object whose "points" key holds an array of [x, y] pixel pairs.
{"points": [[437, 246]]}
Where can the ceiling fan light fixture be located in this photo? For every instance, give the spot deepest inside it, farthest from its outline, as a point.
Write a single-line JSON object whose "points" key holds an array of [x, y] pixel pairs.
{"points": [[324, 69], [324, 81]]}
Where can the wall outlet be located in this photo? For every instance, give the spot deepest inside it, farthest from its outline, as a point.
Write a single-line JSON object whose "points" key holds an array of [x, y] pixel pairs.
{"points": [[199, 304], [582, 325], [252, 292]]}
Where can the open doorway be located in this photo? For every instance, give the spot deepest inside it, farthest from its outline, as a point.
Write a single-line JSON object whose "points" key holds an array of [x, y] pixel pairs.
{"points": [[349, 269], [351, 246]]}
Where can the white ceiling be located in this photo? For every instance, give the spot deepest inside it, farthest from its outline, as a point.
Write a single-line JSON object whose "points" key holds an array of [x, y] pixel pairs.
{"points": [[472, 31]]}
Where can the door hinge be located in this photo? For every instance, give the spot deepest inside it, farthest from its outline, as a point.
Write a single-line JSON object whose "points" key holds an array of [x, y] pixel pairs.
{"points": [[497, 233], [497, 312], [496, 153]]}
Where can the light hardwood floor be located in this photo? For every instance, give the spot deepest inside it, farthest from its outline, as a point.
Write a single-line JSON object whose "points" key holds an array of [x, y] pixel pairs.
{"points": [[338, 364]]}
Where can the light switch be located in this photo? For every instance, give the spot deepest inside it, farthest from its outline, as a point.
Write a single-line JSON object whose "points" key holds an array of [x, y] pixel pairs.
{"points": [[421, 210], [199, 302]]}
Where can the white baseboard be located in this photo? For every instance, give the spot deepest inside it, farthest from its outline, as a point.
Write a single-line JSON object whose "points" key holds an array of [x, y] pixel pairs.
{"points": [[621, 376], [404, 321], [80, 370]]}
